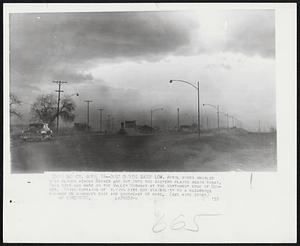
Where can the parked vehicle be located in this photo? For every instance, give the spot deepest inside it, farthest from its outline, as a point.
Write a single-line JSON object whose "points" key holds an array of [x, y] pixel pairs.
{"points": [[37, 131]]}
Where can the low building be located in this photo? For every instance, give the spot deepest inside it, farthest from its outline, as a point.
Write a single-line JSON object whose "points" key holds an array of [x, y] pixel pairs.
{"points": [[130, 124], [188, 128], [145, 129]]}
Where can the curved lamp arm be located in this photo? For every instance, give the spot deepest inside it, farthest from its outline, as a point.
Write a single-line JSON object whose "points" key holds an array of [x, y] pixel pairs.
{"points": [[155, 109], [226, 114], [206, 104], [183, 81], [75, 94]]}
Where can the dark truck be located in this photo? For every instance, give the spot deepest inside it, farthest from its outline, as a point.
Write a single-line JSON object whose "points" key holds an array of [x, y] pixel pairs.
{"points": [[37, 131]]}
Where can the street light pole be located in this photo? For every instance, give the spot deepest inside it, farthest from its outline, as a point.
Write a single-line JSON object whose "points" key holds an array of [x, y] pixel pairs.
{"points": [[108, 123], [58, 99], [88, 112], [227, 121], [197, 87], [151, 118], [207, 122], [178, 119], [218, 112]]}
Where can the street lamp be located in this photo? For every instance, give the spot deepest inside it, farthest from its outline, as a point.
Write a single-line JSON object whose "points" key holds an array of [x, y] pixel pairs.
{"points": [[197, 87], [217, 107], [178, 119], [151, 113], [75, 94]]}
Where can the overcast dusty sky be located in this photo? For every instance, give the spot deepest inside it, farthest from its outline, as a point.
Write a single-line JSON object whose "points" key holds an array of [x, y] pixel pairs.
{"points": [[124, 61]]}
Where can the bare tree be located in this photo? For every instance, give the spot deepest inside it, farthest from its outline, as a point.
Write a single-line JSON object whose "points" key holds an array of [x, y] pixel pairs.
{"points": [[14, 103], [45, 109]]}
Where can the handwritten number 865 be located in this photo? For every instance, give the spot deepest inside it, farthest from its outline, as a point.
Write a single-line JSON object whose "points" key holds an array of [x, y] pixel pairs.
{"points": [[177, 223]]}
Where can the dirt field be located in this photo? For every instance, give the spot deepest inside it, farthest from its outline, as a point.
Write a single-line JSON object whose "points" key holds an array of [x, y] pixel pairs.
{"points": [[227, 151]]}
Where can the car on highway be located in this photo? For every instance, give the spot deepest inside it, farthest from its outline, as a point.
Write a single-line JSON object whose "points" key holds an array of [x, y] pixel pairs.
{"points": [[37, 132]]}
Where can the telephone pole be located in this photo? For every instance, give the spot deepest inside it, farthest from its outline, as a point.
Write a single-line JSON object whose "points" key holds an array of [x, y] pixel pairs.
{"points": [[227, 121], [101, 119], [58, 100], [88, 112], [177, 119], [233, 122], [198, 100], [207, 122], [108, 123], [218, 113]]}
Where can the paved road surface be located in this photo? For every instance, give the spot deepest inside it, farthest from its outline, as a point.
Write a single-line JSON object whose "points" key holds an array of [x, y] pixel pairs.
{"points": [[177, 152]]}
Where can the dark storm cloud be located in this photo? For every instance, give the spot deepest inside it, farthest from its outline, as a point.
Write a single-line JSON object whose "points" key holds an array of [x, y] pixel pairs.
{"points": [[216, 66], [73, 75], [45, 46], [37, 40], [104, 94], [251, 33]]}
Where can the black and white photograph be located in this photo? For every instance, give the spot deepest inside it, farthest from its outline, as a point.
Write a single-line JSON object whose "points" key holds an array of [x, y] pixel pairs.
{"points": [[151, 122], [176, 91]]}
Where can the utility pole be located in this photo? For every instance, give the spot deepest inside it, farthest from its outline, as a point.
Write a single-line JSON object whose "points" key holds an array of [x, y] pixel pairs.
{"points": [[259, 126], [207, 122], [58, 99], [178, 119], [100, 120], [112, 124], [232, 118], [108, 123], [198, 88], [218, 114], [227, 121], [88, 112]]}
